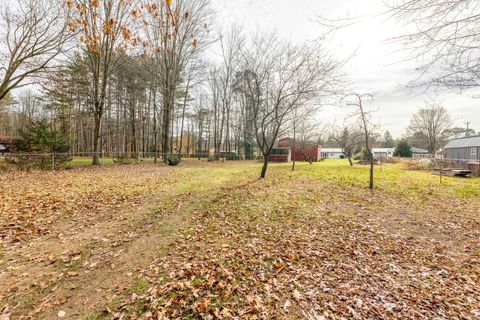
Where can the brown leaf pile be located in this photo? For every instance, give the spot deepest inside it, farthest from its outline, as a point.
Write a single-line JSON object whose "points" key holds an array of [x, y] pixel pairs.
{"points": [[30, 202], [309, 244], [287, 249]]}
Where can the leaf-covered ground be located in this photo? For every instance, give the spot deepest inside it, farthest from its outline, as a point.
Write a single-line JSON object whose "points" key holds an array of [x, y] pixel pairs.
{"points": [[210, 240]]}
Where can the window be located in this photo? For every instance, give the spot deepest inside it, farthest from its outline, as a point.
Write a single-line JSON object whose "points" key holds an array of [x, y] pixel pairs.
{"points": [[279, 151], [473, 153]]}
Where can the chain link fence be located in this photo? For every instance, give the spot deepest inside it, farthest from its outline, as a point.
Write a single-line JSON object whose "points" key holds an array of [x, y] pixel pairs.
{"points": [[56, 161]]}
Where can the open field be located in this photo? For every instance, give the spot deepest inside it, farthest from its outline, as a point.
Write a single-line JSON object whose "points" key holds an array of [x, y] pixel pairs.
{"points": [[210, 240]]}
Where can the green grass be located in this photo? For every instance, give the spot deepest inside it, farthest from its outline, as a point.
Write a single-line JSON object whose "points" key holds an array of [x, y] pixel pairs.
{"points": [[87, 161], [140, 286], [390, 178]]}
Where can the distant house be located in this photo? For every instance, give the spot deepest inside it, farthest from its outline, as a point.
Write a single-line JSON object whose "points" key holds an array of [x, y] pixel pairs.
{"points": [[332, 153], [383, 153], [465, 148], [301, 151], [280, 155], [419, 153], [416, 150]]}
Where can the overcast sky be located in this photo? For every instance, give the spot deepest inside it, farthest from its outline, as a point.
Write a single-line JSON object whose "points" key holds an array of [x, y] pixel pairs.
{"points": [[376, 68]]}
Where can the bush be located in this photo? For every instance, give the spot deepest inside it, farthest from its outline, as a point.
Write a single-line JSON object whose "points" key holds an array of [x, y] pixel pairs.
{"points": [[403, 149], [229, 155], [28, 161], [40, 148], [125, 159], [19, 145], [173, 160]]}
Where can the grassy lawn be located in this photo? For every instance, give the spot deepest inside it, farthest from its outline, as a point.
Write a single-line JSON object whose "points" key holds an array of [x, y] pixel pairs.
{"points": [[211, 240], [87, 161]]}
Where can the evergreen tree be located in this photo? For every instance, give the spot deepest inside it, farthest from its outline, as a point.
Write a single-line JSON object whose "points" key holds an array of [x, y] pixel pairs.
{"points": [[403, 149], [44, 145]]}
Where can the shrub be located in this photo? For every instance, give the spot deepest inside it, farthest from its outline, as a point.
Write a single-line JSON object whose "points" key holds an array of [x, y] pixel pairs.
{"points": [[229, 155], [40, 148], [28, 161], [173, 160], [403, 149], [125, 159]]}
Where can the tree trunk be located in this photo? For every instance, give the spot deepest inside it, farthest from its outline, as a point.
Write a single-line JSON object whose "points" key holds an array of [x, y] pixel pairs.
{"points": [[96, 140], [371, 172], [155, 142], [184, 107], [264, 167], [350, 161], [294, 143], [166, 130], [188, 144]]}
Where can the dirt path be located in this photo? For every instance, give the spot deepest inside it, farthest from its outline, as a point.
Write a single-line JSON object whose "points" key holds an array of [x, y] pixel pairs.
{"points": [[89, 261]]}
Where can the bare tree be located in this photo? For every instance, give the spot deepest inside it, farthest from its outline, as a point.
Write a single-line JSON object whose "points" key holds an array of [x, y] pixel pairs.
{"points": [[105, 32], [458, 132], [29, 105], [278, 78], [364, 116], [304, 133], [349, 139], [432, 122], [33, 36], [176, 31], [230, 41], [445, 39], [194, 77]]}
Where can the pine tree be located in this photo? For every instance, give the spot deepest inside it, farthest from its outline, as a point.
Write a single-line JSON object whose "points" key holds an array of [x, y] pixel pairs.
{"points": [[403, 149]]}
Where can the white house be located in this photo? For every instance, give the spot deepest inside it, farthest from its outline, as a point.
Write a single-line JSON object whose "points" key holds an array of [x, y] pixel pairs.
{"points": [[331, 153], [385, 153]]}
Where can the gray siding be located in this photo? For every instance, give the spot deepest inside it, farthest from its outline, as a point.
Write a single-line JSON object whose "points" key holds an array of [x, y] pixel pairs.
{"points": [[464, 153]]}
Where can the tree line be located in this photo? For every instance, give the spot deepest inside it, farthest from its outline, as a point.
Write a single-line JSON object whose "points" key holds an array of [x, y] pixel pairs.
{"points": [[133, 78]]}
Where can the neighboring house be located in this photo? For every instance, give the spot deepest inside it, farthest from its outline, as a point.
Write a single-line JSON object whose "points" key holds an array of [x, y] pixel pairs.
{"points": [[280, 155], [301, 151], [416, 150], [332, 153], [465, 148], [385, 153], [419, 153], [5, 143]]}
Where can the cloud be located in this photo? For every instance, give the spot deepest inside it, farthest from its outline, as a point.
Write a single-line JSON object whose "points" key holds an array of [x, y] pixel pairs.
{"points": [[378, 65]]}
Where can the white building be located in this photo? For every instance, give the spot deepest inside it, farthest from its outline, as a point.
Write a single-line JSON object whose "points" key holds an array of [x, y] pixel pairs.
{"points": [[331, 153], [386, 153]]}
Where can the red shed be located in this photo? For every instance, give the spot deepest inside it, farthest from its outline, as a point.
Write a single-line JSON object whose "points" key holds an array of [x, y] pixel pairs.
{"points": [[280, 155], [301, 151]]}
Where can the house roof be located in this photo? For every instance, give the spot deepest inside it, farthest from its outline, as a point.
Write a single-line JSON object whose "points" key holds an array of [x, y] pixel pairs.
{"points": [[332, 150], [383, 150], [464, 142], [419, 150], [287, 141]]}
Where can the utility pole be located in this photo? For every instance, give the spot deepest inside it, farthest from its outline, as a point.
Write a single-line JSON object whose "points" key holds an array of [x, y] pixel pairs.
{"points": [[468, 128]]}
